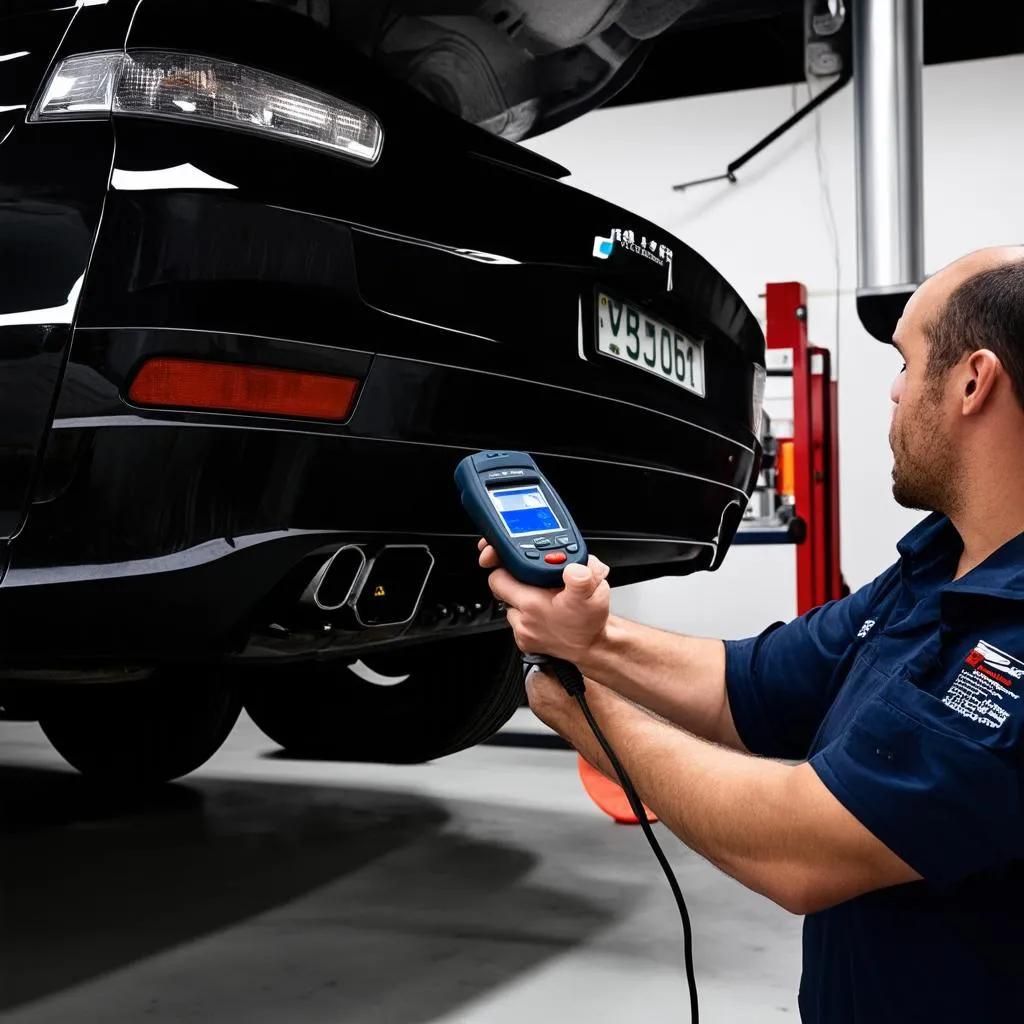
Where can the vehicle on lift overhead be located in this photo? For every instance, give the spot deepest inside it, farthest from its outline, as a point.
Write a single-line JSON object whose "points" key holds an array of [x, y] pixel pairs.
{"points": [[270, 270]]}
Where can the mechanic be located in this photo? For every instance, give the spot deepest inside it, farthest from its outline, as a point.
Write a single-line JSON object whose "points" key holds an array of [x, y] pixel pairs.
{"points": [[862, 764]]}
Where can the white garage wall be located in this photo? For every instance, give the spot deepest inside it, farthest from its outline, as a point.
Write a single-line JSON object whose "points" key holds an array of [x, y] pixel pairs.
{"points": [[772, 226]]}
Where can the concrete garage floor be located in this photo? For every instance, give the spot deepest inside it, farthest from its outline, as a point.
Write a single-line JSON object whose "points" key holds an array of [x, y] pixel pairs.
{"points": [[481, 888]]}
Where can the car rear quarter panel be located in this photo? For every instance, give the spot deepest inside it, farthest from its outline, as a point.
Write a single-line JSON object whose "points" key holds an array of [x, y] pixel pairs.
{"points": [[53, 179]]}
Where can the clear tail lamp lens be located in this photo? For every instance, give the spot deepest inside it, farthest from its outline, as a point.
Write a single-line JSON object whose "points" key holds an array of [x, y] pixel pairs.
{"points": [[204, 90], [80, 87]]}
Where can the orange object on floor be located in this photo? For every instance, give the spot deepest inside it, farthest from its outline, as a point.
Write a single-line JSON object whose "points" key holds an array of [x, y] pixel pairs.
{"points": [[608, 795]]}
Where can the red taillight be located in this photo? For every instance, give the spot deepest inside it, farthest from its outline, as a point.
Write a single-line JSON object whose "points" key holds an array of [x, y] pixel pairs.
{"points": [[230, 387]]}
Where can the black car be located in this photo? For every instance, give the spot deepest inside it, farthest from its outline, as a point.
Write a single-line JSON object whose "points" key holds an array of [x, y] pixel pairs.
{"points": [[268, 271]]}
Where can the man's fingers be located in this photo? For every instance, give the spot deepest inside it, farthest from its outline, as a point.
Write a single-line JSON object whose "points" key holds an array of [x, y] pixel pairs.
{"points": [[505, 588], [515, 618], [489, 557], [583, 580]]}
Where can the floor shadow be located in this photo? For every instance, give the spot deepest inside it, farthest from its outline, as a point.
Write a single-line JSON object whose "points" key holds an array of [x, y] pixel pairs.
{"points": [[505, 738], [259, 902], [527, 740], [93, 881]]}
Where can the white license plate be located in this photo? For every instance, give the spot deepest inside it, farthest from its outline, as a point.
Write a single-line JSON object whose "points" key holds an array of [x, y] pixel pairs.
{"points": [[627, 333]]}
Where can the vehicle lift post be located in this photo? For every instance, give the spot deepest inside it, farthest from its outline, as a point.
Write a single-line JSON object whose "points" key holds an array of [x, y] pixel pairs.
{"points": [[815, 485], [815, 445]]}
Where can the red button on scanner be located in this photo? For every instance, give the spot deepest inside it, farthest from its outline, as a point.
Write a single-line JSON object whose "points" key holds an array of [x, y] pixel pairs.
{"points": [[555, 558]]}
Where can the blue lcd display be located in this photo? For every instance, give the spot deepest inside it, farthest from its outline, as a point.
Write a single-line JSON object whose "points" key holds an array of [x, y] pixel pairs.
{"points": [[525, 510]]}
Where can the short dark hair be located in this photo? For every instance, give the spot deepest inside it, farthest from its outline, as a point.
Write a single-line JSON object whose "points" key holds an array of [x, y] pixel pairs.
{"points": [[985, 311]]}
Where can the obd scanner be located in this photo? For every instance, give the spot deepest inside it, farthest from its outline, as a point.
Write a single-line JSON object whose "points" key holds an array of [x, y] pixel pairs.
{"points": [[521, 516]]}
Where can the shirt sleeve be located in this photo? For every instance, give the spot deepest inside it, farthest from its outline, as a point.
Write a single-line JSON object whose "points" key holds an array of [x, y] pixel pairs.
{"points": [[778, 683], [939, 790]]}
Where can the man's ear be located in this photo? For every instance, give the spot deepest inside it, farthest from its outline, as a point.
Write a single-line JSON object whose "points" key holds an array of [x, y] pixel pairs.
{"points": [[983, 370]]}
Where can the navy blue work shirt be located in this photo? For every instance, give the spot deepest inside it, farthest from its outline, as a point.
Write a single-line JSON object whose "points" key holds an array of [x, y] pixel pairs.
{"points": [[907, 698]]}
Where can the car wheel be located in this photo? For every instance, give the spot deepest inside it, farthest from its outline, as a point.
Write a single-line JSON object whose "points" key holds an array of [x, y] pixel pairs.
{"points": [[146, 733], [405, 706]]}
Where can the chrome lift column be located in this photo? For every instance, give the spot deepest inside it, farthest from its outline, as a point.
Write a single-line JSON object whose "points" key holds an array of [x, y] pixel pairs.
{"points": [[888, 53]]}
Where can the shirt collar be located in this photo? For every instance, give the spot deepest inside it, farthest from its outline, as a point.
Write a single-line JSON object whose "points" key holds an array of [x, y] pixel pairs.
{"points": [[934, 542], [929, 553]]}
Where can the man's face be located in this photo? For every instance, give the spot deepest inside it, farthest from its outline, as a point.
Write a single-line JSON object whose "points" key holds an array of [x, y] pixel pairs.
{"points": [[926, 434], [925, 471]]}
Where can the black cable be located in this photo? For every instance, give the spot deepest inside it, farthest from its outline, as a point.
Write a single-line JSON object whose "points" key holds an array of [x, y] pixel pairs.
{"points": [[572, 681]]}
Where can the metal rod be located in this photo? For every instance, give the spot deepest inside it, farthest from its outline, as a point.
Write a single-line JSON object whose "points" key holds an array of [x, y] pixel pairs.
{"points": [[704, 181], [888, 53], [807, 108]]}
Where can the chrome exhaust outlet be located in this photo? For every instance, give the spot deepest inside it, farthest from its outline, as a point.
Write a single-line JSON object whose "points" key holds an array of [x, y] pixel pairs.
{"points": [[335, 581], [389, 592]]}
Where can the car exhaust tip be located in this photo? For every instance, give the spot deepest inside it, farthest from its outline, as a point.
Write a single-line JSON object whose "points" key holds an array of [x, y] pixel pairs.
{"points": [[391, 589], [335, 581]]}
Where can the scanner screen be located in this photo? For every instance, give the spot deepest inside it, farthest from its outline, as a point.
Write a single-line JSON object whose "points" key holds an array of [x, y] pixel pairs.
{"points": [[525, 510]]}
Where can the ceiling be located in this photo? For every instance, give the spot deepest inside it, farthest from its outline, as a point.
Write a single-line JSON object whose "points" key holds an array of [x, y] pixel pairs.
{"points": [[749, 44]]}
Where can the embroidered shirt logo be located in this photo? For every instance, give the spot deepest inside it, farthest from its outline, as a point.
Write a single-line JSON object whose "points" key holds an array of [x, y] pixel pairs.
{"points": [[865, 629], [994, 663], [983, 689]]}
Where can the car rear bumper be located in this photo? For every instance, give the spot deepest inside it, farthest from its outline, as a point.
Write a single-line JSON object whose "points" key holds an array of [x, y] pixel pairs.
{"points": [[184, 534]]}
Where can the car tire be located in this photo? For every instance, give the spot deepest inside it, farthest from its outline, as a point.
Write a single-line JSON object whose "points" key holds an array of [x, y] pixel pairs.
{"points": [[405, 706], [143, 734]]}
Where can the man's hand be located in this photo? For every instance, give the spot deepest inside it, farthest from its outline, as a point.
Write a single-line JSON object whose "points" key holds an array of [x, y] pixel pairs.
{"points": [[560, 623], [550, 702], [560, 712]]}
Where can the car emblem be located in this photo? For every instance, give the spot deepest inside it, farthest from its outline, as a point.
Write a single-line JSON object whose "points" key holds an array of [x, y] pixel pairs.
{"points": [[649, 249]]}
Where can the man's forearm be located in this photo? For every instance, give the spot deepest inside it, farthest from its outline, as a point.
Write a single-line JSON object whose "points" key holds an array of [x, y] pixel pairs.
{"points": [[678, 677], [724, 805], [771, 826]]}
